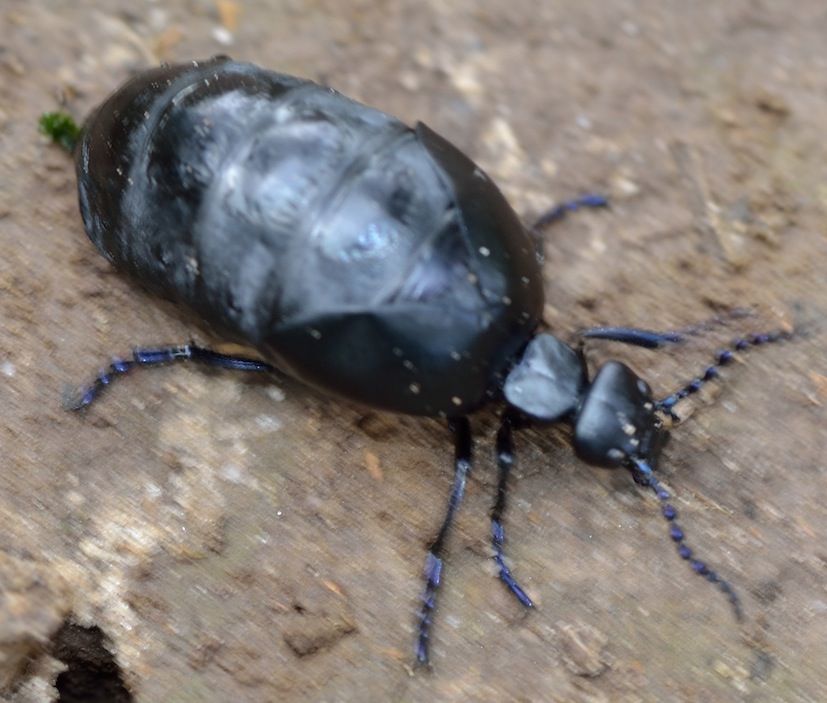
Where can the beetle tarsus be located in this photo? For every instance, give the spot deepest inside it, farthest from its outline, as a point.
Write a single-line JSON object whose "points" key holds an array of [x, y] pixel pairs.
{"points": [[433, 575], [82, 398], [497, 539]]}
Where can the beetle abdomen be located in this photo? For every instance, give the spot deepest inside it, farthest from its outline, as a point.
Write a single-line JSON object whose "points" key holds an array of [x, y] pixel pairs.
{"points": [[363, 256]]}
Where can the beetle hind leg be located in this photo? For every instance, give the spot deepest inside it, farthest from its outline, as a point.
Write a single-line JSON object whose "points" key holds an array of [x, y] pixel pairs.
{"points": [[79, 399], [434, 562]]}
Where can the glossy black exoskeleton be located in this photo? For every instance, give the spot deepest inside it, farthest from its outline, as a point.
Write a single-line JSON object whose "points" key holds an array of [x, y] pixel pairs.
{"points": [[339, 243], [364, 257]]}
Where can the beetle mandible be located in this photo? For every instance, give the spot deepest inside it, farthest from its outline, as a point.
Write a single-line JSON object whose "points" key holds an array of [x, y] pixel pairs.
{"points": [[364, 257]]}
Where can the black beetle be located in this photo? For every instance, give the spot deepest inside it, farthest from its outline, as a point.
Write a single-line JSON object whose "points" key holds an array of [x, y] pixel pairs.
{"points": [[342, 245], [364, 257]]}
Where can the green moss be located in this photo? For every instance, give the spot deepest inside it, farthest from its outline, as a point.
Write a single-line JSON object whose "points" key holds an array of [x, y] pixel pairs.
{"points": [[60, 127]]}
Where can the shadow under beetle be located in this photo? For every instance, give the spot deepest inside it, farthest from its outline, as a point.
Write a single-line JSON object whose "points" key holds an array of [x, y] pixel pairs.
{"points": [[364, 257]]}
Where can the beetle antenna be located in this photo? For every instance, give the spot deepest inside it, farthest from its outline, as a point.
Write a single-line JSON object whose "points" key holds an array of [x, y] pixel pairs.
{"points": [[723, 357], [505, 460], [79, 399], [643, 475], [434, 562]]}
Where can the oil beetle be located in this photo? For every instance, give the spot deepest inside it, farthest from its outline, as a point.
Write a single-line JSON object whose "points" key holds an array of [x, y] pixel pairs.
{"points": [[364, 257]]}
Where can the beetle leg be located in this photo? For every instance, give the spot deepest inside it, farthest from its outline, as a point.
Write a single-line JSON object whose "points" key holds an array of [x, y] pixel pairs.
{"points": [[505, 460], [80, 399], [653, 339], [634, 336], [433, 565], [558, 212]]}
